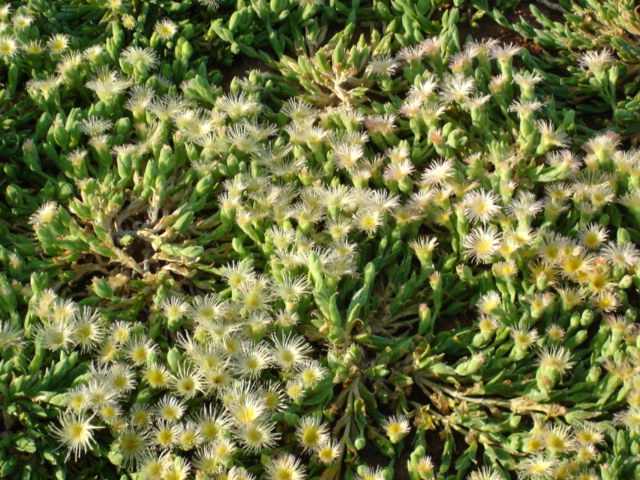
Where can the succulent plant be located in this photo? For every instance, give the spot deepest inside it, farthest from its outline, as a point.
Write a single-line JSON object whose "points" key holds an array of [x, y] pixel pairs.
{"points": [[288, 240]]}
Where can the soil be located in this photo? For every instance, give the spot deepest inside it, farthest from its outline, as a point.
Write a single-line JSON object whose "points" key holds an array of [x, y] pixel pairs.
{"points": [[487, 27], [633, 297], [484, 28], [464, 319], [401, 471], [523, 10], [240, 67], [242, 64], [371, 456]]}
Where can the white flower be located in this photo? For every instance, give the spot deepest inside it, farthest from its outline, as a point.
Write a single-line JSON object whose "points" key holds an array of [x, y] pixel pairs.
{"points": [[311, 433], [482, 243], [556, 358], [328, 452], [290, 351], [88, 330], [133, 444], [457, 88], [382, 65], [593, 236], [107, 84], [94, 126], [438, 172], [523, 337], [75, 432], [46, 214], [252, 359], [485, 473], [539, 467], [596, 60], [257, 436], [10, 336], [481, 206], [58, 43], [396, 427], [144, 57], [8, 46], [347, 154], [174, 308], [285, 467], [413, 53], [170, 409], [504, 52], [370, 473], [299, 111], [166, 29], [630, 418], [550, 135], [22, 21]]}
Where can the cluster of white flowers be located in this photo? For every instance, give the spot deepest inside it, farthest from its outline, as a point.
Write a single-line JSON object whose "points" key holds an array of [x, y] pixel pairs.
{"points": [[561, 451], [236, 366], [457, 162]]}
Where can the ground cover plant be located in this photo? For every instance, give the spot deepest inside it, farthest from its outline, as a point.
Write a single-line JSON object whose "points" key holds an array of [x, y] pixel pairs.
{"points": [[290, 240]]}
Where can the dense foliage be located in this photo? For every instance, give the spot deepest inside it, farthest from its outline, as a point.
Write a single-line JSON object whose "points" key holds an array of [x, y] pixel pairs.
{"points": [[284, 239]]}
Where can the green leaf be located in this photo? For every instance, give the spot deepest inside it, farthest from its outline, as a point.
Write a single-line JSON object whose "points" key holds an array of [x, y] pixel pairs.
{"points": [[499, 455], [26, 444], [59, 400], [191, 251], [115, 457]]}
